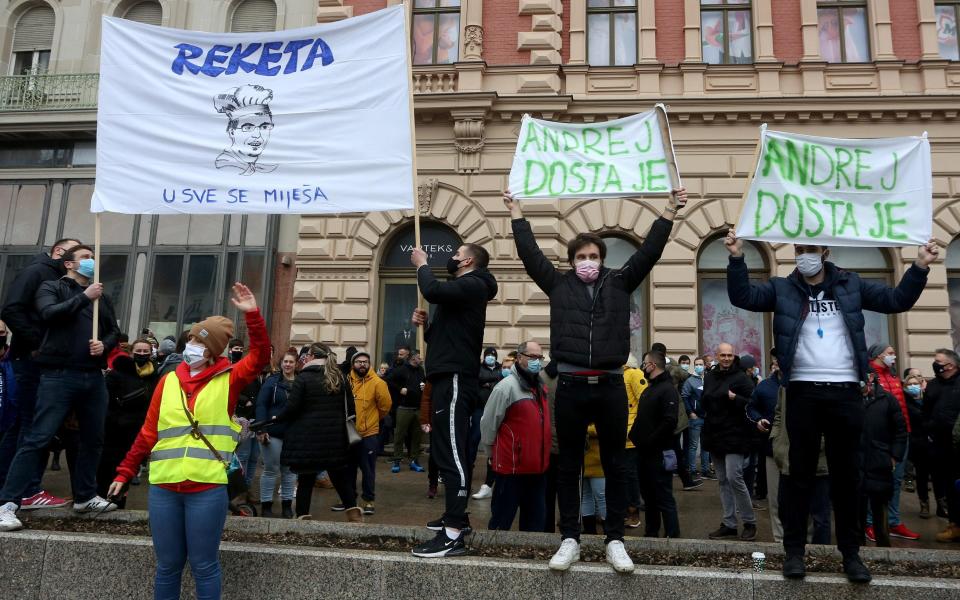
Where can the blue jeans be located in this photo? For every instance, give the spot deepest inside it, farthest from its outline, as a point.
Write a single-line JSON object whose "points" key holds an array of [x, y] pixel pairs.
{"points": [[593, 500], [523, 492], [248, 453], [27, 374], [365, 459], [272, 470], [60, 391], [187, 526], [694, 448]]}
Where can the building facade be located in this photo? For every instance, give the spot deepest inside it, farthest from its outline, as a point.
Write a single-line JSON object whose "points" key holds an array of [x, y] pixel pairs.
{"points": [[840, 68]]}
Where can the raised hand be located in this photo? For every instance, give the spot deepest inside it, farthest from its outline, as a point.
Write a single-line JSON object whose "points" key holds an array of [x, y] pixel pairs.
{"points": [[928, 254], [512, 205], [243, 298], [733, 243]]}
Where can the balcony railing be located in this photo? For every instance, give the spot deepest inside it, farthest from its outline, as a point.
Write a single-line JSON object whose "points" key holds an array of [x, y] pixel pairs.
{"points": [[48, 92]]}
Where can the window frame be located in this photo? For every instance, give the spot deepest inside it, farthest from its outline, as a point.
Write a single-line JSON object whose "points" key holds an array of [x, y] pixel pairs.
{"points": [[955, 4], [838, 6], [725, 9], [437, 11], [644, 288], [611, 34]]}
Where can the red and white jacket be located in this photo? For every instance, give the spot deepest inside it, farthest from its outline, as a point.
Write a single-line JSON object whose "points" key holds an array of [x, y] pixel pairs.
{"points": [[515, 427]]}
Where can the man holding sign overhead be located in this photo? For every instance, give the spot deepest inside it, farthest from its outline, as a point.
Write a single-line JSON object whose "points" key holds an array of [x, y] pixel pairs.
{"points": [[846, 192]]}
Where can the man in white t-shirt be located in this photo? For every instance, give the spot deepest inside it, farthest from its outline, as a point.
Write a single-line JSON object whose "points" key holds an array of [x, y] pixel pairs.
{"points": [[818, 329]]}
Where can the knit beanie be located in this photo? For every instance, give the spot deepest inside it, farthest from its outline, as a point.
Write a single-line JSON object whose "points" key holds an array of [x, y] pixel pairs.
{"points": [[168, 346], [214, 332], [747, 362], [876, 350]]}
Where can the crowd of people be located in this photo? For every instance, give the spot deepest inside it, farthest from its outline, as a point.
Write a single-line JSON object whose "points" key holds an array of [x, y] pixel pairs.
{"points": [[585, 438]]}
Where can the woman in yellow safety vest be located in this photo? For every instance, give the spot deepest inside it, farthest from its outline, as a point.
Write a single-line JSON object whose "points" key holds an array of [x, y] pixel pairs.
{"points": [[190, 437]]}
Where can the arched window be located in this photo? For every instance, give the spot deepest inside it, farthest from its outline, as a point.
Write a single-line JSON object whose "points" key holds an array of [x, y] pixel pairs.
{"points": [[872, 265], [619, 250], [32, 41], [953, 289], [150, 13], [720, 321], [398, 283], [254, 15]]}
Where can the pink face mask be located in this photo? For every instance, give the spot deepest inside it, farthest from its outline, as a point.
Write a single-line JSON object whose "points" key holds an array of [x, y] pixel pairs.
{"points": [[588, 271]]}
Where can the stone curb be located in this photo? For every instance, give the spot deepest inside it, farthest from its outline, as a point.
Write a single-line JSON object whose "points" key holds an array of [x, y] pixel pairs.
{"points": [[543, 541]]}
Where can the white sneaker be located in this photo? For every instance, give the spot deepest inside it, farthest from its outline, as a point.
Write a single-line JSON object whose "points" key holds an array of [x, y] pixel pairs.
{"points": [[618, 558], [484, 492], [95, 504], [8, 517], [568, 554]]}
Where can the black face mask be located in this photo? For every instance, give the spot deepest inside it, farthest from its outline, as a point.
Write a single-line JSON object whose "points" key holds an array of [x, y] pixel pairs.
{"points": [[937, 369], [452, 265], [236, 356], [3, 341], [141, 359]]}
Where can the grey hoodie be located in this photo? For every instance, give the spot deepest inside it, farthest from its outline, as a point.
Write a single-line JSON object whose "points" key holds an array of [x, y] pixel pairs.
{"points": [[510, 389]]}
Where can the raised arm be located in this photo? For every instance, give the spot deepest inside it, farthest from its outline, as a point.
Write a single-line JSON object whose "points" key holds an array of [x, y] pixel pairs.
{"points": [[880, 298], [541, 270], [749, 296], [640, 264], [465, 289]]}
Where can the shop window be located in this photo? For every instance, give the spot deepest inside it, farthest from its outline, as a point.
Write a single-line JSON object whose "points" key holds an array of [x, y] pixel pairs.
{"points": [[611, 32], [871, 264], [10, 266], [254, 15], [844, 32], [398, 282], [436, 32], [22, 210], [722, 322], [32, 41], [619, 250], [150, 13], [953, 289], [947, 14], [726, 31]]}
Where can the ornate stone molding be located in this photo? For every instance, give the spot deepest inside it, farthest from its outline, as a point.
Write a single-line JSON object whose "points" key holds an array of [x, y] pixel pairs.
{"points": [[472, 42], [427, 194], [468, 141]]}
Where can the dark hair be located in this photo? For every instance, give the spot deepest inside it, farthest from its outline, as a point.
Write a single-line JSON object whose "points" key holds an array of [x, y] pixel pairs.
{"points": [[235, 342], [140, 340], [683, 357], [949, 354], [182, 341], [71, 253], [658, 347], [585, 239], [123, 338], [479, 254], [403, 347], [63, 241], [657, 358]]}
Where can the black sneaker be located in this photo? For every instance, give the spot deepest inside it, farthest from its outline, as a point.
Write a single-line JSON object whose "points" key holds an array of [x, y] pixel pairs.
{"points": [[793, 567], [694, 484], [441, 546], [437, 525], [723, 533], [711, 475], [856, 571], [338, 507], [749, 532]]}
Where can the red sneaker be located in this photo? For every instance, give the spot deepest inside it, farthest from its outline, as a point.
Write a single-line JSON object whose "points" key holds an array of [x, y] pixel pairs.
{"points": [[870, 535], [43, 499], [902, 531]]}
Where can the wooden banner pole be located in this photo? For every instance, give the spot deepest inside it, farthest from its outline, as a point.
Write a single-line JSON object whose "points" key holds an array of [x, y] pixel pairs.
{"points": [[96, 274], [421, 304]]}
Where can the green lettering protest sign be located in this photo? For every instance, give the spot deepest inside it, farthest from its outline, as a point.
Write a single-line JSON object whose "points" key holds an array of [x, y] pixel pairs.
{"points": [[839, 192], [632, 156]]}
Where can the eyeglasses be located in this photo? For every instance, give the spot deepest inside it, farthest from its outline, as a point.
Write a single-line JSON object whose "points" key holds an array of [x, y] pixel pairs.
{"points": [[532, 356], [248, 127]]}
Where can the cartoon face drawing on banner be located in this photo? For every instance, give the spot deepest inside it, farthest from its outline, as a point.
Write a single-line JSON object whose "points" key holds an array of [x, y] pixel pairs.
{"points": [[249, 125]]}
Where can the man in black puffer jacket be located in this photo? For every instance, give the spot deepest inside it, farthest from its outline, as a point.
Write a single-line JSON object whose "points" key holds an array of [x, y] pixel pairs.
{"points": [[728, 436], [590, 341], [818, 329], [455, 337]]}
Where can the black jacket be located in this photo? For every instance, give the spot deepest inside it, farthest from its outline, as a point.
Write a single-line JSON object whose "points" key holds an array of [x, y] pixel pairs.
{"points": [[406, 376], [919, 435], [68, 316], [489, 377], [590, 331], [455, 334], [129, 398], [247, 400], [941, 405], [20, 311], [726, 428], [657, 415], [884, 438], [271, 401], [316, 436], [788, 299]]}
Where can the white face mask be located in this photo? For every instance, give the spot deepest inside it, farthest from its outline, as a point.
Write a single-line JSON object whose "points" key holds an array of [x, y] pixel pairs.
{"points": [[809, 263], [890, 359], [193, 354]]}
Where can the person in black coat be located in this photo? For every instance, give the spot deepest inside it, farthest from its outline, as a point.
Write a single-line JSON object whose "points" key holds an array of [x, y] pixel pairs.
{"points": [[130, 386], [921, 448], [883, 441], [490, 376], [728, 435], [652, 434], [318, 406]]}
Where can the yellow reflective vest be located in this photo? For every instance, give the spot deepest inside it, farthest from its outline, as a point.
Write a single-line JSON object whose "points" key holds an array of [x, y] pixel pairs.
{"points": [[179, 456]]}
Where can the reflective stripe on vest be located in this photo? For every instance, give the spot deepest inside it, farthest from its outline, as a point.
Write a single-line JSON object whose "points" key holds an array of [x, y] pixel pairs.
{"points": [[178, 456]]}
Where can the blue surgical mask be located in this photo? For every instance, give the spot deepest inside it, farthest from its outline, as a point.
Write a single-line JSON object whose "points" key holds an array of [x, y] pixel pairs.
{"points": [[490, 360], [505, 372], [534, 365], [913, 390], [698, 369], [85, 267], [685, 366]]}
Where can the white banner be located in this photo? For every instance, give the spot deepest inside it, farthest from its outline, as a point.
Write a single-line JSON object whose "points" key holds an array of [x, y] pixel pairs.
{"points": [[313, 120], [837, 192], [632, 156]]}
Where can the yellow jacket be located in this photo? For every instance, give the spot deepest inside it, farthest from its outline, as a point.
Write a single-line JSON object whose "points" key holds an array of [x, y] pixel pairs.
{"points": [[635, 381], [372, 399], [591, 456]]}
